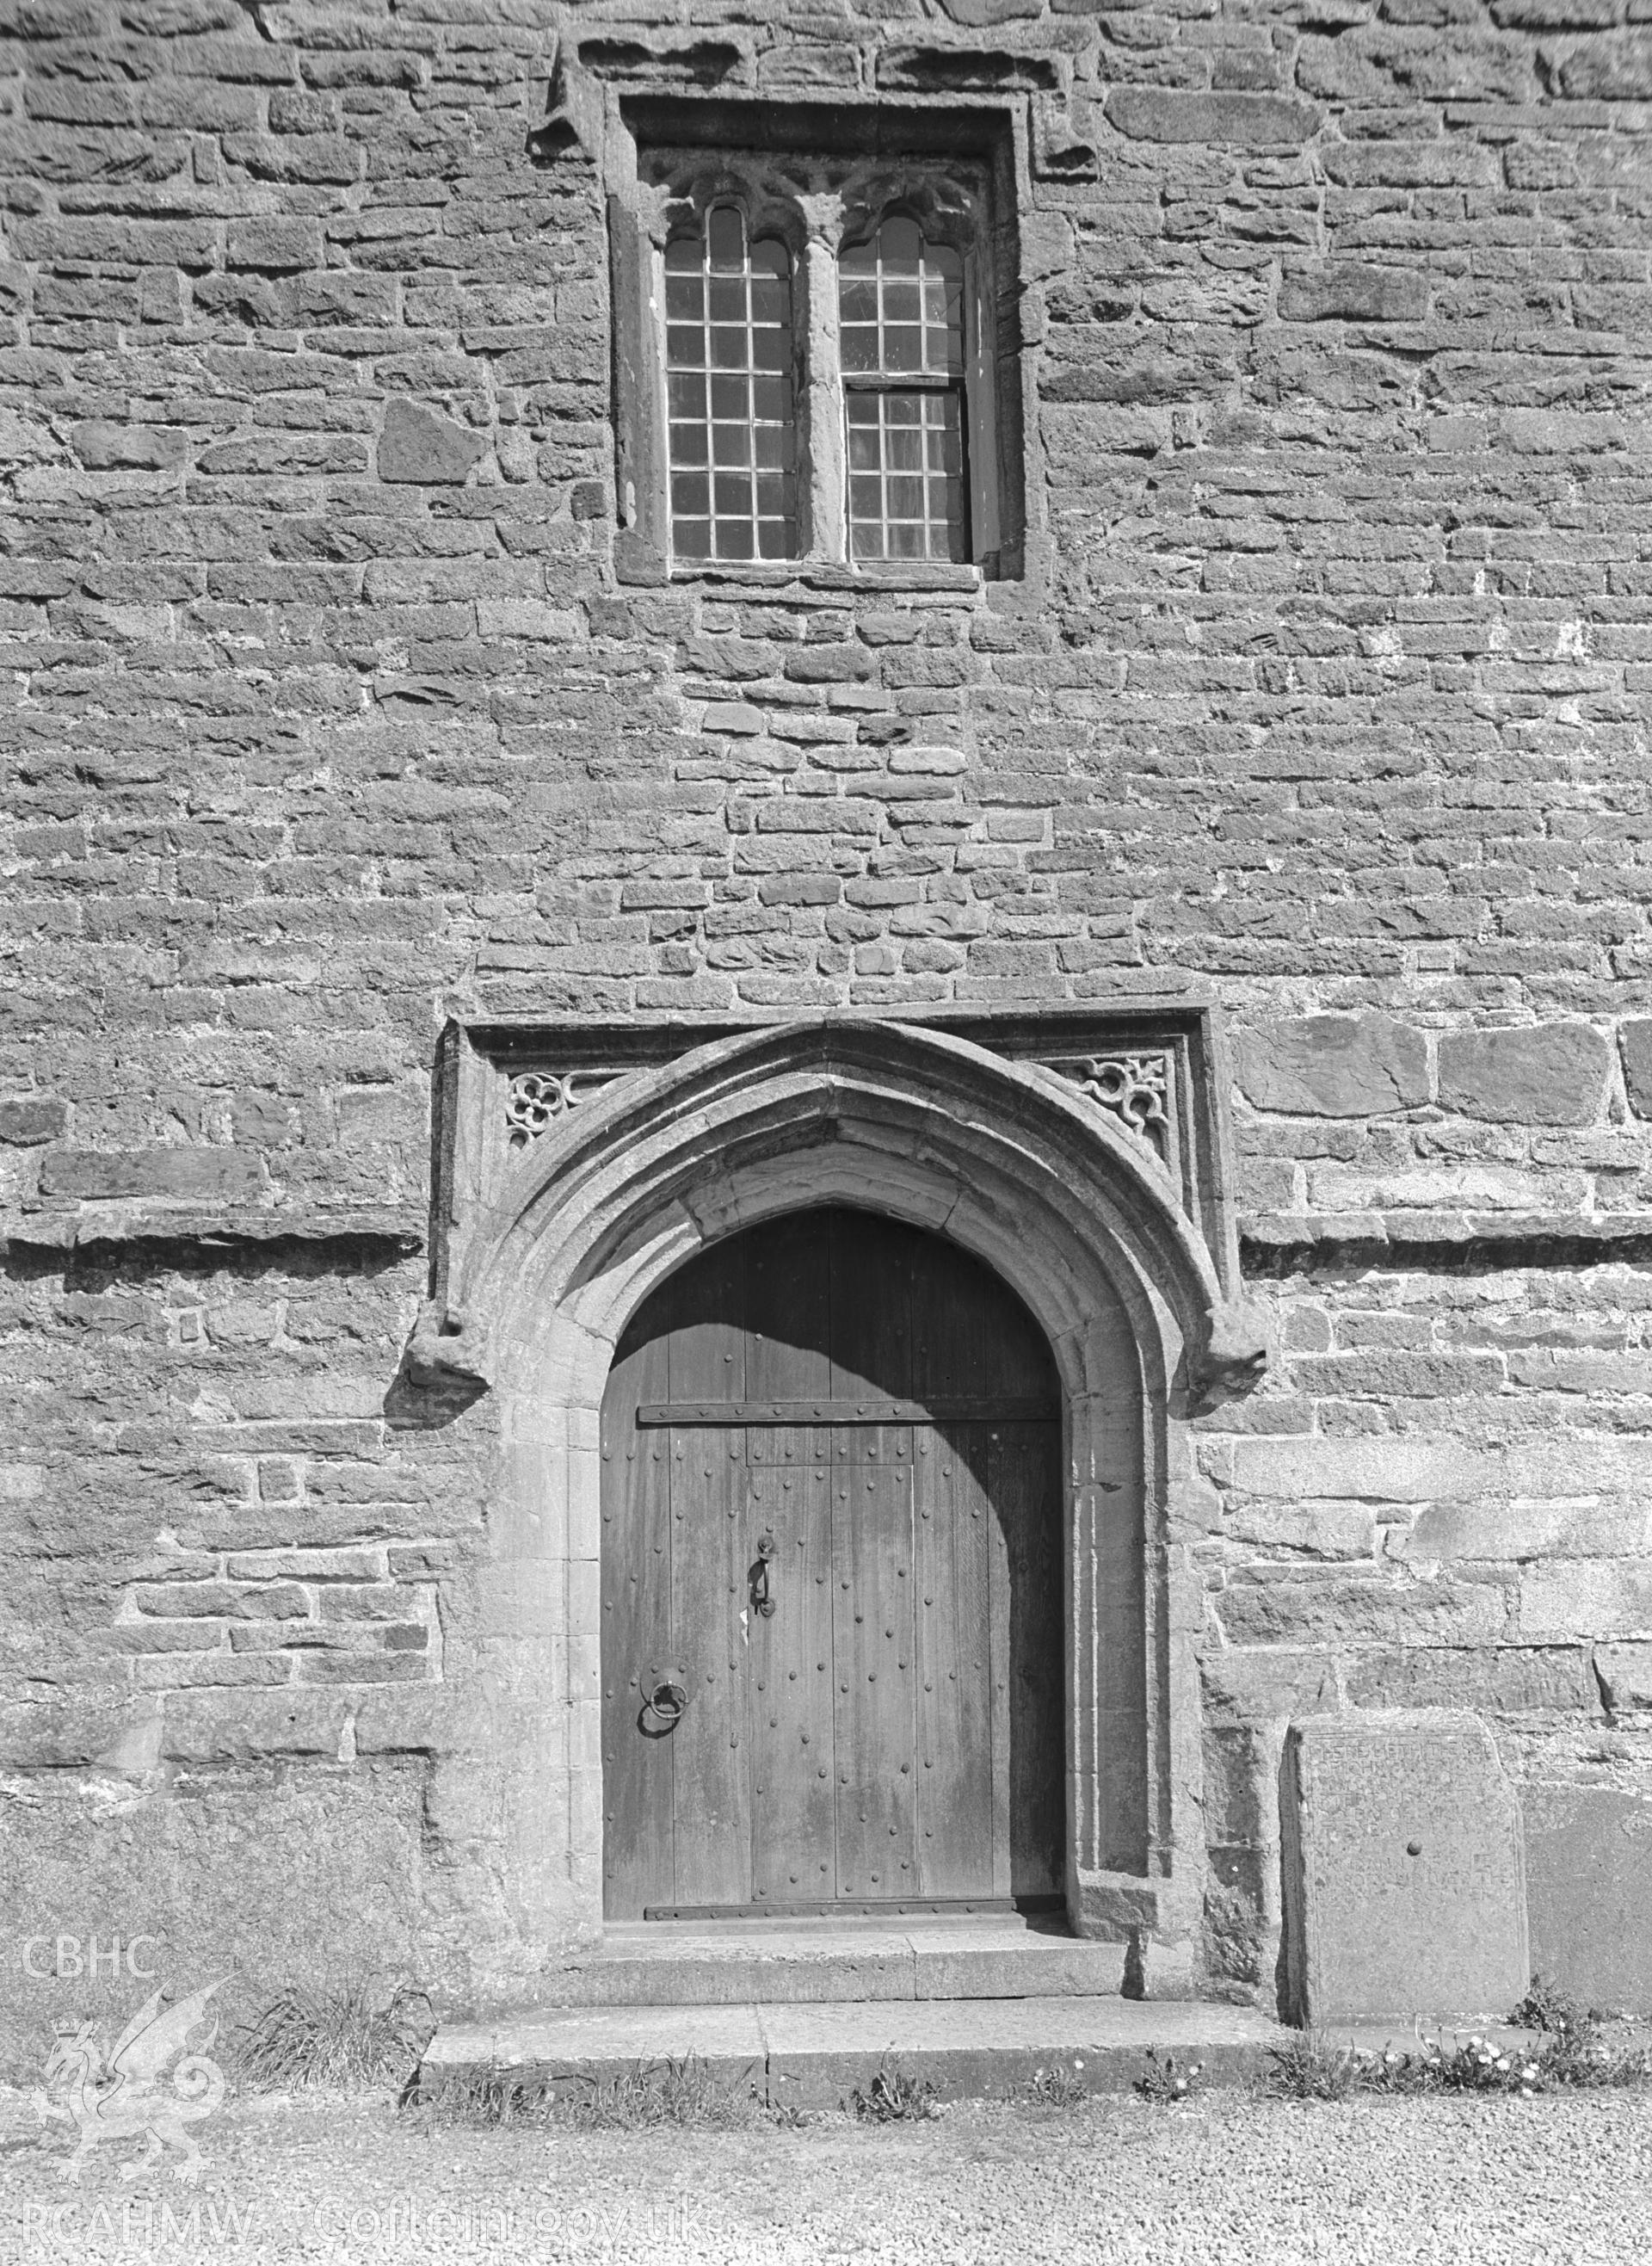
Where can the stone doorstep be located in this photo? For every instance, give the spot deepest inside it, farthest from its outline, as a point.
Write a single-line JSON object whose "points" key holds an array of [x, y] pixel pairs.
{"points": [[811, 2056], [775, 1962]]}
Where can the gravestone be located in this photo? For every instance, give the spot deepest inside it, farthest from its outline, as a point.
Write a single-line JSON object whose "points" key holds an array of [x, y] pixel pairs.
{"points": [[1403, 1882], [1588, 1853]]}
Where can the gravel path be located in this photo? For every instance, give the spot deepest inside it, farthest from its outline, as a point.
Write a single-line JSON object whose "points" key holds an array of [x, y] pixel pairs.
{"points": [[1226, 2179]]}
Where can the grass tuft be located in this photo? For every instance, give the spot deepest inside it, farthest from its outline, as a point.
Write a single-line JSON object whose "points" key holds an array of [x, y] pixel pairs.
{"points": [[1575, 2056], [1312, 2067], [1547, 2007], [1054, 2088], [647, 2098], [1316, 2068], [1168, 2080], [1580, 2057], [489, 2096], [683, 2092], [895, 2096], [344, 2037]]}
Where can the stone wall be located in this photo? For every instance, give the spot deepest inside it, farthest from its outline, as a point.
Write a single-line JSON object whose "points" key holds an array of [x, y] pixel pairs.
{"points": [[1441, 1501], [1442, 1497], [325, 718]]}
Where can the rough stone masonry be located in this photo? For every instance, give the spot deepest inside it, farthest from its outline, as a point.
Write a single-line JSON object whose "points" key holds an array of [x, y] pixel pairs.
{"points": [[327, 718]]}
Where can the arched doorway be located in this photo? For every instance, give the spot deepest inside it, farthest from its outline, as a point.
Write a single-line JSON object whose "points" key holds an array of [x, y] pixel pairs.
{"points": [[554, 1248], [832, 1616]]}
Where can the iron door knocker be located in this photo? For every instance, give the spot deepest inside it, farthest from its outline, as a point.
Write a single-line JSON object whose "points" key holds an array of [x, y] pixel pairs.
{"points": [[761, 1596], [666, 1701]]}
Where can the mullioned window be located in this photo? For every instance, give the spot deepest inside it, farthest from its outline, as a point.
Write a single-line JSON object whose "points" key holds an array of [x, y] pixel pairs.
{"points": [[809, 365]]}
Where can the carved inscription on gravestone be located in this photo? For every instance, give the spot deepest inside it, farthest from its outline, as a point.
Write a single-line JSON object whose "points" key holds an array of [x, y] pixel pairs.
{"points": [[1404, 1880]]}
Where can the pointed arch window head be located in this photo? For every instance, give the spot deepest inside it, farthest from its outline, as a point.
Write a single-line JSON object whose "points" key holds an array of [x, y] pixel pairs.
{"points": [[901, 325], [731, 398]]}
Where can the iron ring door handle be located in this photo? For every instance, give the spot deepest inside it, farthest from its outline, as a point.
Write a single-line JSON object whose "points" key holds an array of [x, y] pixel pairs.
{"points": [[668, 1702]]}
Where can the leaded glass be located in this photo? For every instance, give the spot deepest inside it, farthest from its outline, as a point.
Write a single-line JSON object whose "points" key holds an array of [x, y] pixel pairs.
{"points": [[905, 475], [730, 393], [901, 325]]}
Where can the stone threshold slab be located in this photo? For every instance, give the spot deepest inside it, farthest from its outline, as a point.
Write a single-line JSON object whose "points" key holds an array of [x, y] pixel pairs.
{"points": [[812, 2056], [778, 1961]]}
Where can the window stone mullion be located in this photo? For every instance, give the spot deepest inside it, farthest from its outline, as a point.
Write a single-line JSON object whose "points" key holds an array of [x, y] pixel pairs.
{"points": [[823, 218]]}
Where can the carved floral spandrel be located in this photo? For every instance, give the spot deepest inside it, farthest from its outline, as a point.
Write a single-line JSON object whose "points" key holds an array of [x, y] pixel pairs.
{"points": [[537, 1098], [1134, 1088]]}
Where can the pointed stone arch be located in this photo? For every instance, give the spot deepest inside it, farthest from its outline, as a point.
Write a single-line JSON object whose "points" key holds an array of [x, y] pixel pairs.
{"points": [[1007, 1158]]}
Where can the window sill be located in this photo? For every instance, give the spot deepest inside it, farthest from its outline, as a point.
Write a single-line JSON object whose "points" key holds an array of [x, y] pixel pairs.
{"points": [[764, 576]]}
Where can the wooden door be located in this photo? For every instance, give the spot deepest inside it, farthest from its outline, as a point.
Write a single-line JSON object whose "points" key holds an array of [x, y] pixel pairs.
{"points": [[857, 1426]]}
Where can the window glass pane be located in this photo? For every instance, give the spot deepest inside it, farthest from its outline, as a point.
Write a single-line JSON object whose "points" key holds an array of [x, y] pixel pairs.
{"points": [[725, 234], [900, 302], [684, 299], [774, 495], [730, 353], [728, 297], [771, 400], [686, 391], [906, 479], [769, 297]]}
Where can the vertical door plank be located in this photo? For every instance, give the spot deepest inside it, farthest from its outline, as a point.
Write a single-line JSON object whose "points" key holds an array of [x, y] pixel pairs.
{"points": [[710, 1513], [952, 1323], [954, 1309], [788, 1328], [708, 1333], [1023, 1366], [1000, 1678], [1026, 1483], [636, 1623], [788, 1358], [872, 1263], [711, 1804], [794, 1810], [788, 1310], [956, 1837], [873, 1629]]}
